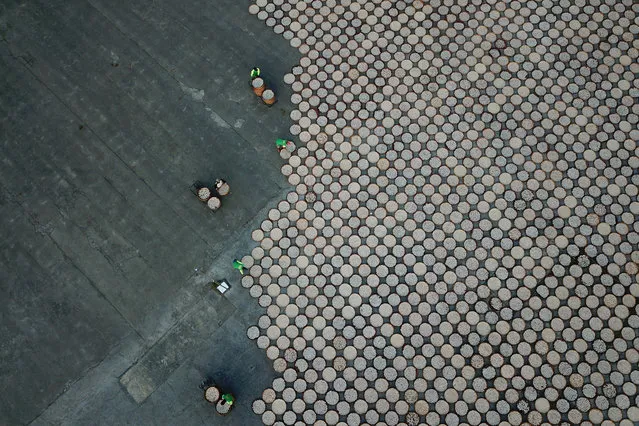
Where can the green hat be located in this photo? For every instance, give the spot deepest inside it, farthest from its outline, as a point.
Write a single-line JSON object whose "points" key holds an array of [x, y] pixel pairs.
{"points": [[228, 398]]}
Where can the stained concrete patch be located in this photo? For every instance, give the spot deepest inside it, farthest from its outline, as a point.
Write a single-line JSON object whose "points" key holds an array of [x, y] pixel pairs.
{"points": [[138, 383], [170, 352], [217, 119], [195, 94]]}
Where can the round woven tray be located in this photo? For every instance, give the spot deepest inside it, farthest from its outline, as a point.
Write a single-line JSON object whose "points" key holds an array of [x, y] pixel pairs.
{"points": [[212, 394], [257, 83], [204, 194], [214, 203], [258, 86], [222, 408], [268, 95], [224, 189]]}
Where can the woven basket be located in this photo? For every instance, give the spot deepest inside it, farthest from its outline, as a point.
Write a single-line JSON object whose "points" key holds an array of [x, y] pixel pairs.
{"points": [[258, 86], [214, 203], [212, 394], [204, 194], [224, 189], [268, 97]]}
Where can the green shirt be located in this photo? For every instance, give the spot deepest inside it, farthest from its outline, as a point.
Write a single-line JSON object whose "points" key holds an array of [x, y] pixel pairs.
{"points": [[255, 72], [228, 398], [281, 143], [237, 264]]}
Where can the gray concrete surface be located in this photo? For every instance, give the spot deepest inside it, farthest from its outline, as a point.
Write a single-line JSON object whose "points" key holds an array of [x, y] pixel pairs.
{"points": [[109, 110]]}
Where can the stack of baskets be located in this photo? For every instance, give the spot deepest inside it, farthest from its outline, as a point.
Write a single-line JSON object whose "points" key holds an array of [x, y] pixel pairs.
{"points": [[212, 197], [260, 89]]}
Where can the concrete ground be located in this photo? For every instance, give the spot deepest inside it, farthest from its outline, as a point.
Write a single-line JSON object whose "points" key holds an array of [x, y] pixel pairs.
{"points": [[109, 110]]}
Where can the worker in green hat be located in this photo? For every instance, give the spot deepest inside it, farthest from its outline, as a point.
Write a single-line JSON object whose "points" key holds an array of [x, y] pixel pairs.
{"points": [[228, 398], [255, 73], [239, 266], [280, 144]]}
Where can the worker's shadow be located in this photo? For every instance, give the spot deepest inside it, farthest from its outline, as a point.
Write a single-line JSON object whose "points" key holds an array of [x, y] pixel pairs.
{"points": [[219, 380]]}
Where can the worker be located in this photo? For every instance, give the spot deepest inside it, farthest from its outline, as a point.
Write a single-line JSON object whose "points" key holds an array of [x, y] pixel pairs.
{"points": [[219, 183], [239, 266], [280, 144], [222, 187], [228, 398], [255, 72]]}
